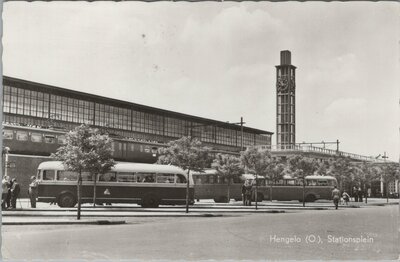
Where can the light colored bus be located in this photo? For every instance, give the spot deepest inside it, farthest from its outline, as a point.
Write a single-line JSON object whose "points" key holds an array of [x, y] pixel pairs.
{"points": [[208, 185], [146, 184]]}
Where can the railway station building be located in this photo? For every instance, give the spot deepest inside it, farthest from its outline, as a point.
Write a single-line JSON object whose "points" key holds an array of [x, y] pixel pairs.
{"points": [[36, 117]]}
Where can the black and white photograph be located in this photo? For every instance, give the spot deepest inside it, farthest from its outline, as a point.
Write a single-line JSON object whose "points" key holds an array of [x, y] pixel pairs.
{"points": [[200, 131]]}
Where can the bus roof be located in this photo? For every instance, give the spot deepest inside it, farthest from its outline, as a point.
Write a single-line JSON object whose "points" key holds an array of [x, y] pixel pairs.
{"points": [[208, 171], [123, 167], [321, 177]]}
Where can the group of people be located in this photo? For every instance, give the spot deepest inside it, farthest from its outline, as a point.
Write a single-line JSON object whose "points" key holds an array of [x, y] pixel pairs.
{"points": [[11, 190], [345, 197], [357, 194], [247, 192], [10, 193]]}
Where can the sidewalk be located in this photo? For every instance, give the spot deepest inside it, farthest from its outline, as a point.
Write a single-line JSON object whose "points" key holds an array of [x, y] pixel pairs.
{"points": [[46, 214]]}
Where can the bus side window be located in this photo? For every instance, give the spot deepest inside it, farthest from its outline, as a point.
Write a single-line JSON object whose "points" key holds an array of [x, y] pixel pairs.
{"points": [[48, 174], [107, 177], [322, 182], [236, 180], [146, 177], [311, 182], [165, 178], [86, 176], [64, 175], [180, 179], [126, 177], [8, 134], [290, 182]]}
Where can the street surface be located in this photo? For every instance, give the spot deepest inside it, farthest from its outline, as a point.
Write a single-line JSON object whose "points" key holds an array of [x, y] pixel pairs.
{"points": [[370, 232]]}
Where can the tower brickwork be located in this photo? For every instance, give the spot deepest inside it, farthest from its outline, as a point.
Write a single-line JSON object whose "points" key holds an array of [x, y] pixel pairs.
{"points": [[285, 102]]}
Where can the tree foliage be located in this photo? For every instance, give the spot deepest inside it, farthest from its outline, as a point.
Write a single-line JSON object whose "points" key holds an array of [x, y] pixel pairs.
{"points": [[343, 170], [86, 150], [229, 167], [256, 161], [301, 166], [186, 153]]}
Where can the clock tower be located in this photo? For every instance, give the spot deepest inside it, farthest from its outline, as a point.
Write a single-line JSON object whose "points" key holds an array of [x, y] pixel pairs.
{"points": [[285, 102]]}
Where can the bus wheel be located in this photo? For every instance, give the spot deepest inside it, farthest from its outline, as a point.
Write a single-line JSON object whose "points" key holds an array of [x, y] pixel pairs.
{"points": [[66, 200], [310, 198], [221, 199], [150, 201], [260, 197]]}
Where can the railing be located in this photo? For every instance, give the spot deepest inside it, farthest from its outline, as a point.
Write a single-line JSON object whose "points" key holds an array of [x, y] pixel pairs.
{"points": [[318, 150]]}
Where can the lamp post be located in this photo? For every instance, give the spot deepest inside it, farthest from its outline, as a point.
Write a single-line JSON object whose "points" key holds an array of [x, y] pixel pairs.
{"points": [[387, 184]]}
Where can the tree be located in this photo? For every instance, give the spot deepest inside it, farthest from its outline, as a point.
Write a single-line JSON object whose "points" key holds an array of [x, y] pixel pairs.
{"points": [[343, 170], [228, 167], [301, 167], [323, 167], [275, 172], [390, 173], [256, 161], [367, 173], [187, 153], [86, 150]]}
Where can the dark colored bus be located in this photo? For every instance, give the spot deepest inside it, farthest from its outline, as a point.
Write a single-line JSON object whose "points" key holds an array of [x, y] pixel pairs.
{"points": [[149, 185], [208, 185]]}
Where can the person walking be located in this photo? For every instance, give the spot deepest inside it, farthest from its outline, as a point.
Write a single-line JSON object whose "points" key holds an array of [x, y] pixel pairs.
{"points": [[244, 193], [8, 198], [355, 194], [248, 193], [5, 186], [15, 189], [360, 194], [346, 197], [32, 191], [336, 197]]}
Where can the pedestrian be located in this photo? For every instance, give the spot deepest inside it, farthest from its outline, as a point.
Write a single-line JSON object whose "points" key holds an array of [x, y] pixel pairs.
{"points": [[244, 193], [355, 194], [32, 191], [8, 198], [15, 189], [248, 193], [5, 186], [360, 194], [346, 197], [336, 197]]}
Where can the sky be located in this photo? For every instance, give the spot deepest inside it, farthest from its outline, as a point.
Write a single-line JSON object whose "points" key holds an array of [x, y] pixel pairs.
{"points": [[217, 60]]}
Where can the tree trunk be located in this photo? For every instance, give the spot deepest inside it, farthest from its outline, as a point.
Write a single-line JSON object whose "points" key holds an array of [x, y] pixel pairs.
{"points": [[304, 192], [79, 194], [94, 190], [229, 187], [187, 191], [366, 193], [387, 192], [270, 192], [256, 197]]}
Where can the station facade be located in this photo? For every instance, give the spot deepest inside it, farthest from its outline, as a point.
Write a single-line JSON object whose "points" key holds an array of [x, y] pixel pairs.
{"points": [[37, 116]]}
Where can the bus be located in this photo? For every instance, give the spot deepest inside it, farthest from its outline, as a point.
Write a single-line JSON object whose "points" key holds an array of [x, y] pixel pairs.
{"points": [[208, 185], [149, 185]]}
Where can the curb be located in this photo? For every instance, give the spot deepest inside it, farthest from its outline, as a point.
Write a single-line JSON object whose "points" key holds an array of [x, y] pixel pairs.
{"points": [[145, 215], [95, 222]]}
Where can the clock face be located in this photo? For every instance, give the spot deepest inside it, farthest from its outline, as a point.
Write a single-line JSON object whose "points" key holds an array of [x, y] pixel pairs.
{"points": [[282, 84]]}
